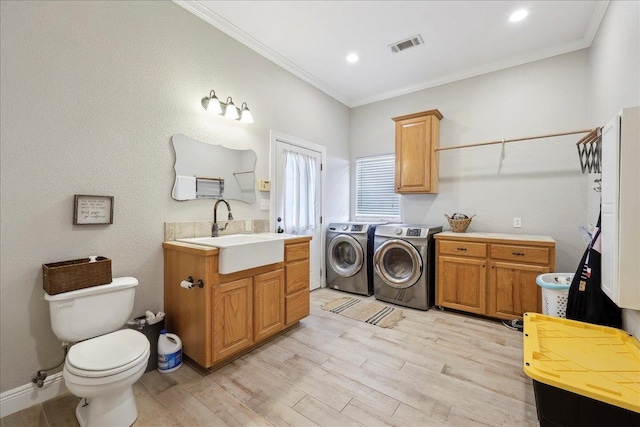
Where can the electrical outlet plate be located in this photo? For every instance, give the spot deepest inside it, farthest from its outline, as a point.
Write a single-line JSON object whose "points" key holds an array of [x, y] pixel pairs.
{"points": [[517, 222], [264, 185], [264, 204], [247, 225]]}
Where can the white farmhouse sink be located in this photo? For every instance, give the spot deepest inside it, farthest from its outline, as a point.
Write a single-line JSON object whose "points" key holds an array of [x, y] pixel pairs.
{"points": [[242, 251]]}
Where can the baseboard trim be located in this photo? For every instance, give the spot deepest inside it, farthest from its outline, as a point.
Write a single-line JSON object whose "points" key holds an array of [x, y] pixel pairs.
{"points": [[19, 398]]}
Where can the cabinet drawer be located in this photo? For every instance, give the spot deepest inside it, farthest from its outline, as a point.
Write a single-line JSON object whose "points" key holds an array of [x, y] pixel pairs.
{"points": [[520, 253], [296, 251], [469, 249], [296, 276], [297, 306]]}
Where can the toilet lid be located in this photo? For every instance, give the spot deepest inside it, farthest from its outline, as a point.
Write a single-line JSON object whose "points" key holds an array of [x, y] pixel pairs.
{"points": [[108, 352]]}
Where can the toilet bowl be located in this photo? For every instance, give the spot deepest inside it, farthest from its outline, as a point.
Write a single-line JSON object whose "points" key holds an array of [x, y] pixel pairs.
{"points": [[106, 360], [102, 370]]}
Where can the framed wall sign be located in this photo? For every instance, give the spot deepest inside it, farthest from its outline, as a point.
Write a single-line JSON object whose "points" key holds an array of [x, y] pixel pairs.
{"points": [[92, 209]]}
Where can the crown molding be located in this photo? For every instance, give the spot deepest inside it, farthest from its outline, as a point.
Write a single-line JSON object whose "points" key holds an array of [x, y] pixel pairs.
{"points": [[197, 8], [252, 43]]}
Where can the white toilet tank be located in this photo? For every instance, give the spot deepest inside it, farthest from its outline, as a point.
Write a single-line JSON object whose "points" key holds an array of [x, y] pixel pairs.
{"points": [[89, 312]]}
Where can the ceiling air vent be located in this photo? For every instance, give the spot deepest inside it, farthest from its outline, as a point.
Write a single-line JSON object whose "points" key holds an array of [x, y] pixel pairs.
{"points": [[406, 44]]}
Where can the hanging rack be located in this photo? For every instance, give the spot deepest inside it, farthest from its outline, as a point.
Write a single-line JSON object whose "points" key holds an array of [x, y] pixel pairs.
{"points": [[589, 154], [589, 151]]}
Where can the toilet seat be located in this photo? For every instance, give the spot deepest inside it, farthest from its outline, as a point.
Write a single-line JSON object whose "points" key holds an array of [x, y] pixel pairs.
{"points": [[108, 354]]}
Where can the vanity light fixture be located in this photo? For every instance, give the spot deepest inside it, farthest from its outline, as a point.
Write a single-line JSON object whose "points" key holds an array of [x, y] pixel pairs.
{"points": [[230, 110], [212, 102], [245, 114], [227, 109]]}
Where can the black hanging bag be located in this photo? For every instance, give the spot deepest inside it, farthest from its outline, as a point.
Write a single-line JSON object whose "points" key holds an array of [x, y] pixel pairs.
{"points": [[587, 302]]}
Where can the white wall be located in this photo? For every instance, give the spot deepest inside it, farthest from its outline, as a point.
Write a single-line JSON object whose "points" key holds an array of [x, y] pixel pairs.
{"points": [[614, 64], [539, 181], [91, 94]]}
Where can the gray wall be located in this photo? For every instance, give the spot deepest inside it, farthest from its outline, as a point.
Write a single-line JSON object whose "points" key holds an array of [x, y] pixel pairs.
{"points": [[614, 65], [93, 91], [539, 181], [91, 94]]}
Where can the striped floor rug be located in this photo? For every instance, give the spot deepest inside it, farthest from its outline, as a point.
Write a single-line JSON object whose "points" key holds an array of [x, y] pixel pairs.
{"points": [[355, 308]]}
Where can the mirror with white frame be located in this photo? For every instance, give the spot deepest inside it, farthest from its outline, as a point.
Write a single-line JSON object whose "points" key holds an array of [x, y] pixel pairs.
{"points": [[212, 171]]}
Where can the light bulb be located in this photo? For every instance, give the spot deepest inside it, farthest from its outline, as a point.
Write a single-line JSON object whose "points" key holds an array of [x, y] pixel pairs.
{"points": [[245, 114], [231, 112]]}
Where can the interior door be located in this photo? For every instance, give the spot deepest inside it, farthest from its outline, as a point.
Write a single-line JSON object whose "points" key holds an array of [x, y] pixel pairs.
{"points": [[279, 143], [610, 146]]}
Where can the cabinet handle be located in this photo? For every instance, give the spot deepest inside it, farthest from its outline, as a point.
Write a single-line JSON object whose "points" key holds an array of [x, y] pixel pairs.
{"points": [[461, 249], [518, 253]]}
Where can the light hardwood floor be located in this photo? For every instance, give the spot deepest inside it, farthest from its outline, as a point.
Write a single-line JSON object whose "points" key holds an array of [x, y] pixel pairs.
{"points": [[434, 369]]}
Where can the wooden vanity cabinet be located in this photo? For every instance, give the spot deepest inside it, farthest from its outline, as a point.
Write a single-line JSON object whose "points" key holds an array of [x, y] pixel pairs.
{"points": [[232, 313], [232, 317], [268, 296], [417, 138], [492, 274], [296, 257]]}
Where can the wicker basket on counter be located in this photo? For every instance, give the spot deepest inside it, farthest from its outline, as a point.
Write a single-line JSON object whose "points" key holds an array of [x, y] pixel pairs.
{"points": [[65, 276], [459, 225]]}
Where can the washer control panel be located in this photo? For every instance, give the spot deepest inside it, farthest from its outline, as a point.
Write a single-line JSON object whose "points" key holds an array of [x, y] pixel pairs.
{"points": [[414, 232]]}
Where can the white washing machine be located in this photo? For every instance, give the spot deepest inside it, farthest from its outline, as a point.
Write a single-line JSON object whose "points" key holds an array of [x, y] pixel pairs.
{"points": [[404, 265], [349, 257]]}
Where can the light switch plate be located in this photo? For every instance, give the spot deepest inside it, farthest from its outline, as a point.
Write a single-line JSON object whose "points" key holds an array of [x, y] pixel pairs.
{"points": [[264, 204]]}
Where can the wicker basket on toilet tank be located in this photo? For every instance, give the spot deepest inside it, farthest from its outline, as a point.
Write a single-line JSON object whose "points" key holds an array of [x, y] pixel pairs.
{"points": [[65, 276]]}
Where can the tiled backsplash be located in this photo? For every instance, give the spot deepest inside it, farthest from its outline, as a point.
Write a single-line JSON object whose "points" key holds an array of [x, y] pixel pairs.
{"points": [[187, 229]]}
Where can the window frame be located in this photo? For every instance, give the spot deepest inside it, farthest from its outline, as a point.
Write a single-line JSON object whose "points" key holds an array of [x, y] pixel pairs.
{"points": [[382, 215]]}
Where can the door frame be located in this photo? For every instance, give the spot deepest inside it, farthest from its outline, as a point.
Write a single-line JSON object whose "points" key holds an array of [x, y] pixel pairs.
{"points": [[298, 142]]}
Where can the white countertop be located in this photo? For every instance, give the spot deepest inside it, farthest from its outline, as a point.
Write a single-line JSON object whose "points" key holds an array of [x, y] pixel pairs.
{"points": [[501, 236], [283, 236]]}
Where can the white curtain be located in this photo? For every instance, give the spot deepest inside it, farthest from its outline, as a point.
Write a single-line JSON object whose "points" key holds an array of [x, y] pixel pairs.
{"points": [[299, 202]]}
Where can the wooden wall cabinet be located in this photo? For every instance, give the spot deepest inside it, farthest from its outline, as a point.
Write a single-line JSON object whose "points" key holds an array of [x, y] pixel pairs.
{"points": [[417, 138], [492, 274], [233, 313]]}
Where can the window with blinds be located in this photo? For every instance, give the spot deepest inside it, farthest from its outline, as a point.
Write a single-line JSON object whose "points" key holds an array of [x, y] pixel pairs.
{"points": [[375, 188]]}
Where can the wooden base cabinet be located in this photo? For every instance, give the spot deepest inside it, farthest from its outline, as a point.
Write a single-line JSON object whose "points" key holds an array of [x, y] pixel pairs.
{"points": [[463, 284], [268, 295], [513, 289], [297, 305], [492, 274], [232, 317], [232, 313]]}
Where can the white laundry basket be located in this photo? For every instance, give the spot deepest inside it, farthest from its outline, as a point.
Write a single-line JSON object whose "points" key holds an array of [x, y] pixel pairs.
{"points": [[555, 293]]}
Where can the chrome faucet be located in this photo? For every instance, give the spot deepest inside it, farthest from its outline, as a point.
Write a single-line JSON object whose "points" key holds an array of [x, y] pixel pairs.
{"points": [[215, 231]]}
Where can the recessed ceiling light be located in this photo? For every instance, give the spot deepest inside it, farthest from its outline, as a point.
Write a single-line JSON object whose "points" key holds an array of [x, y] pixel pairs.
{"points": [[518, 15], [352, 57]]}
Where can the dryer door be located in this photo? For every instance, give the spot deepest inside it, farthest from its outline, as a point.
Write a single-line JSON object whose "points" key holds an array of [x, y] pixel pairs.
{"points": [[345, 255], [398, 263]]}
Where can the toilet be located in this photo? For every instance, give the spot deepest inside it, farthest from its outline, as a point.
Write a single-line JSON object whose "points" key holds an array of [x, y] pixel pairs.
{"points": [[105, 360]]}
